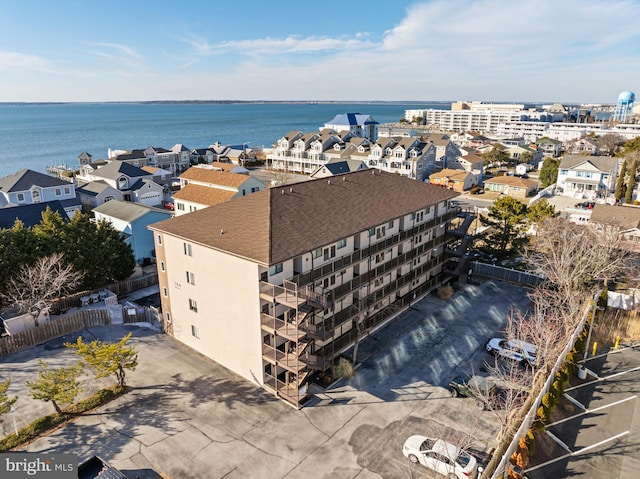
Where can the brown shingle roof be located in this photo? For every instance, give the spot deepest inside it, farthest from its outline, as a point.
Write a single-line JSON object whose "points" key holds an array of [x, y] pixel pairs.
{"points": [[625, 217], [511, 181], [276, 224], [204, 195], [458, 175], [214, 177]]}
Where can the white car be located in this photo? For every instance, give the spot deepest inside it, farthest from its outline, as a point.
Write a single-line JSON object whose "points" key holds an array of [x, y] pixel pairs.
{"points": [[514, 349], [441, 456]]}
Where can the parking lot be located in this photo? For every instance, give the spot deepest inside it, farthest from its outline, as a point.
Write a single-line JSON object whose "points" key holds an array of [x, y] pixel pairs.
{"points": [[600, 435], [186, 416]]}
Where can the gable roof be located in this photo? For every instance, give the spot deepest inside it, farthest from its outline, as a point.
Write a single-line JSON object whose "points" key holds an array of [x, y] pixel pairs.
{"points": [[204, 195], [276, 224], [114, 169], [94, 188], [457, 175], [128, 211], [602, 163], [352, 119], [30, 215], [624, 217], [24, 179], [215, 177], [511, 181]]}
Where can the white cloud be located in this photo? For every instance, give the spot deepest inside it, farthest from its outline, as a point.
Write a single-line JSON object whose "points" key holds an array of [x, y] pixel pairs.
{"points": [[17, 61], [119, 48]]}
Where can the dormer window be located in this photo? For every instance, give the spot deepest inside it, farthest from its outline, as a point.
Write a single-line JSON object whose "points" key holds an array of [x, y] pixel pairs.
{"points": [[123, 183]]}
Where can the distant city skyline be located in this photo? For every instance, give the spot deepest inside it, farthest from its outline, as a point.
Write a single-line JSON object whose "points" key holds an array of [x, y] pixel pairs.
{"points": [[575, 51]]}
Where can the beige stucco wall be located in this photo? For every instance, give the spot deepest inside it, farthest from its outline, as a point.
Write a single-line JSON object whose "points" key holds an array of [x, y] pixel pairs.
{"points": [[226, 292]]}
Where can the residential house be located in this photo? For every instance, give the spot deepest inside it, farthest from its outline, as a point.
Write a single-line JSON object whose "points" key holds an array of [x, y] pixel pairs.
{"points": [[132, 220], [192, 197], [446, 150], [512, 185], [273, 284], [228, 167], [516, 152], [95, 193], [305, 153], [27, 187], [587, 177], [583, 146], [624, 219], [550, 147], [363, 126], [471, 163], [225, 186], [457, 180], [338, 167], [135, 184], [159, 175]]}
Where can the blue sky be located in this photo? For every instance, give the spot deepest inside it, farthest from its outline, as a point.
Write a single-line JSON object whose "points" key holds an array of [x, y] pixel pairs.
{"points": [[493, 50]]}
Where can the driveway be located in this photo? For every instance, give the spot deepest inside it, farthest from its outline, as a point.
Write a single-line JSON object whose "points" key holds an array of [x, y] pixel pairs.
{"points": [[187, 416]]}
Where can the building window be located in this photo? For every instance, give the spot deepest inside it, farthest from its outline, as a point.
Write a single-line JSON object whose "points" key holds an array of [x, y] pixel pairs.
{"points": [[316, 253], [195, 331], [193, 305], [380, 232], [342, 243], [67, 190], [161, 265], [372, 231], [164, 292], [180, 206], [329, 253], [187, 249], [20, 197], [412, 216], [159, 237], [191, 279], [58, 191], [168, 317], [427, 210], [390, 224], [275, 269]]}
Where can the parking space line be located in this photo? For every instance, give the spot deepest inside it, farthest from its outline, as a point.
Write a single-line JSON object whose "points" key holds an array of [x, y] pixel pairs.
{"points": [[589, 411], [613, 438], [623, 372], [544, 464], [604, 378]]}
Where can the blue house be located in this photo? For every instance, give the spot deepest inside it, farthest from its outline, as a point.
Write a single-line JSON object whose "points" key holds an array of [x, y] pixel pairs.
{"points": [[132, 220]]}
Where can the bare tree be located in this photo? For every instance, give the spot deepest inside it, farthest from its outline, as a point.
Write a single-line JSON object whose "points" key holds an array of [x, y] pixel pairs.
{"points": [[35, 287], [610, 143], [280, 177], [576, 261]]}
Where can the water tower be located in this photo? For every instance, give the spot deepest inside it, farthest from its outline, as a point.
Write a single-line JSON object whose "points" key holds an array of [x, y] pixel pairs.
{"points": [[624, 107]]}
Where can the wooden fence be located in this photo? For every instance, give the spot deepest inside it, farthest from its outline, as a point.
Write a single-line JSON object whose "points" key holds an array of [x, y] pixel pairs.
{"points": [[53, 329], [119, 288]]}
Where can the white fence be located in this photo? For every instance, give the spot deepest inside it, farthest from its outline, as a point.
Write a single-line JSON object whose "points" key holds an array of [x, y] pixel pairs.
{"points": [[506, 274]]}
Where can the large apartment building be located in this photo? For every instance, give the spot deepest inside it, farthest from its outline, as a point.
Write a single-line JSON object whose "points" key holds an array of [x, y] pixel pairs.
{"points": [[276, 284]]}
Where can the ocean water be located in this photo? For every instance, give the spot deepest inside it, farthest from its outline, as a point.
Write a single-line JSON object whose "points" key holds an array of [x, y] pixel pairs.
{"points": [[38, 135]]}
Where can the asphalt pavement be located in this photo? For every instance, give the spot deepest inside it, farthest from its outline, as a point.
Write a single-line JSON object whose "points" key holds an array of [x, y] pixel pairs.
{"points": [[188, 417]]}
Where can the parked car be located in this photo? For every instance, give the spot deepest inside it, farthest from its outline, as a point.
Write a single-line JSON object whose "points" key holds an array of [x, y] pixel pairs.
{"points": [[168, 205], [471, 387], [513, 349], [586, 205], [441, 456]]}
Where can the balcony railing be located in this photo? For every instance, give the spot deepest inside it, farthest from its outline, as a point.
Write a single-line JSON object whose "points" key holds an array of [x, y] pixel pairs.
{"points": [[338, 264]]}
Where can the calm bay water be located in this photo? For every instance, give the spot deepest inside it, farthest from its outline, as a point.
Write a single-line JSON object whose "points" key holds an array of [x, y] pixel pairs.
{"points": [[37, 135]]}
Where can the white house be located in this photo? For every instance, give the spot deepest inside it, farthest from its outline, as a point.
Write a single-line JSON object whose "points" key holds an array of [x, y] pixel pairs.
{"points": [[587, 177]]}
